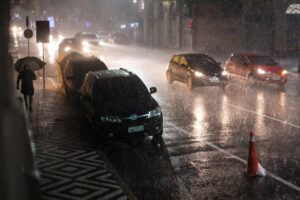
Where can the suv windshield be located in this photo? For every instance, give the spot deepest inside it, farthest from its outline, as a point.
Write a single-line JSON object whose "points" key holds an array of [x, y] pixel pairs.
{"points": [[262, 60], [195, 61], [119, 89]]}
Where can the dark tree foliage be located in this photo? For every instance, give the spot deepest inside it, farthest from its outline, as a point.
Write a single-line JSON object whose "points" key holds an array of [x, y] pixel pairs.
{"points": [[211, 8]]}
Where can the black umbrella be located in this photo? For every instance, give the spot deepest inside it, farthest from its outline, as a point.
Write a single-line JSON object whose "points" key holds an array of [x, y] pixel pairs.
{"points": [[34, 63]]}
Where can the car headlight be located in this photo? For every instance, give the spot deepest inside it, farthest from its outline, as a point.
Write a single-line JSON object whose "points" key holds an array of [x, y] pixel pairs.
{"points": [[198, 74], [60, 38], [110, 119], [260, 71], [284, 72], [86, 49], [67, 49], [85, 43], [155, 112], [101, 43], [14, 29], [224, 73]]}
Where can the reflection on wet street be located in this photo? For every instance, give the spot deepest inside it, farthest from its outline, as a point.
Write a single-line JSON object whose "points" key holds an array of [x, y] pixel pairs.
{"points": [[206, 135]]}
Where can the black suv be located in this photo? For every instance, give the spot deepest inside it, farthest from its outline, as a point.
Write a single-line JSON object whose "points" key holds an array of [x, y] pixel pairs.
{"points": [[117, 104], [196, 70]]}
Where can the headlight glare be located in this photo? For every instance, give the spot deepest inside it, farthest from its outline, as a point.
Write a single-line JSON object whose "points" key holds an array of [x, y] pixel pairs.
{"points": [[155, 112], [284, 72], [260, 71], [198, 74], [85, 43], [86, 49], [67, 49]]}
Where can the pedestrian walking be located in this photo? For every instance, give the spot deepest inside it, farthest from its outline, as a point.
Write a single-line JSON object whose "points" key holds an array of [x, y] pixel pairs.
{"points": [[26, 76]]}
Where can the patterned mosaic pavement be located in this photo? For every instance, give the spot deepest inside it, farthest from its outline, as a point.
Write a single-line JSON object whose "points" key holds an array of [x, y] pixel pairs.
{"points": [[69, 165]]}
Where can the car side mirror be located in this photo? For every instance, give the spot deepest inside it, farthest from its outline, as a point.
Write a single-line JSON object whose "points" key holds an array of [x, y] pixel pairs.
{"points": [[153, 90]]}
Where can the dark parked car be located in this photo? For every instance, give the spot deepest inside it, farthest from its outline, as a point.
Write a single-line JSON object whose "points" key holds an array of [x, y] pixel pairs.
{"points": [[256, 68], [196, 70], [75, 71], [117, 104]]}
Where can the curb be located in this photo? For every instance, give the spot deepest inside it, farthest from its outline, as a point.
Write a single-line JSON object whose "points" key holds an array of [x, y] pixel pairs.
{"points": [[121, 182]]}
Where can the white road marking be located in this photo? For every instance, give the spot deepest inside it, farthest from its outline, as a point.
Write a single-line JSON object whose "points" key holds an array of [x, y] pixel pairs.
{"points": [[263, 115], [270, 174]]}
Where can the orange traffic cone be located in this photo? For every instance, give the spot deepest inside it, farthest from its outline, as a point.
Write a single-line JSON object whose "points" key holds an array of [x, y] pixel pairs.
{"points": [[254, 168]]}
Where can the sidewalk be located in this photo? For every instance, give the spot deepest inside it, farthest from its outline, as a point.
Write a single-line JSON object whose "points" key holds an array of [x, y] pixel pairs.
{"points": [[69, 165]]}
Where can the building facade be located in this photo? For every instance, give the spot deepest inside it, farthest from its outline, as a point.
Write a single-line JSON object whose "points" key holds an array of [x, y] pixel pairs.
{"points": [[229, 25]]}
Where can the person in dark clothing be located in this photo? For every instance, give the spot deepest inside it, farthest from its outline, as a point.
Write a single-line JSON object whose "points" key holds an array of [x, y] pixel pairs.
{"points": [[27, 76]]}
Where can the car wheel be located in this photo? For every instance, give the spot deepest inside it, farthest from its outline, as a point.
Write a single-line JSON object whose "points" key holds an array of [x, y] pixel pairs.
{"points": [[135, 141], [156, 139], [281, 86], [189, 82], [251, 80], [169, 76], [223, 84]]}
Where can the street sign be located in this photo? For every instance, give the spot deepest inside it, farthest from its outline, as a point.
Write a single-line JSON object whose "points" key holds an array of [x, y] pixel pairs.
{"points": [[42, 31], [28, 33]]}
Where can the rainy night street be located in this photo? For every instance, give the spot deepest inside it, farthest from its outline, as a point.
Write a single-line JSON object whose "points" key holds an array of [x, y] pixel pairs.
{"points": [[205, 132]]}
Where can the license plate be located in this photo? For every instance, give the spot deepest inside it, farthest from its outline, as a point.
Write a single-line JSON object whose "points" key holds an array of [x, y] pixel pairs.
{"points": [[276, 78], [134, 129], [214, 80]]}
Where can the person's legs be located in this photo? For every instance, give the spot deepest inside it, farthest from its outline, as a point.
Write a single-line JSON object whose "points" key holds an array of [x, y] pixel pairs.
{"points": [[25, 100], [30, 102]]}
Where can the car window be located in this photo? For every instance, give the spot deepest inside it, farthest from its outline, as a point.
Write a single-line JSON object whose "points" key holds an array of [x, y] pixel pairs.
{"points": [[244, 60], [175, 59], [183, 61], [235, 58], [201, 60], [262, 60]]}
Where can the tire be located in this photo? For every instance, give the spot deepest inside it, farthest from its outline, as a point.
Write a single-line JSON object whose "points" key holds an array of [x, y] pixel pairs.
{"points": [[156, 139], [251, 80], [281, 86], [223, 84], [169, 76], [189, 82]]}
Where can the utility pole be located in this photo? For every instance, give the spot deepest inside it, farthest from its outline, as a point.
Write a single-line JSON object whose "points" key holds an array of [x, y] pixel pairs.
{"points": [[194, 24]]}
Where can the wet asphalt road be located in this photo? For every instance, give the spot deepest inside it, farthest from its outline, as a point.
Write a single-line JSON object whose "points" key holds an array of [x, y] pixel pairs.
{"points": [[206, 136]]}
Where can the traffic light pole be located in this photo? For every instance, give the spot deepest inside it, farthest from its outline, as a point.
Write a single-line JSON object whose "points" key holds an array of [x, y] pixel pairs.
{"points": [[44, 82], [28, 47]]}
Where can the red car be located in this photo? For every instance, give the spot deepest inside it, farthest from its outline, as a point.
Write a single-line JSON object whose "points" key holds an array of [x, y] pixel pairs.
{"points": [[256, 67]]}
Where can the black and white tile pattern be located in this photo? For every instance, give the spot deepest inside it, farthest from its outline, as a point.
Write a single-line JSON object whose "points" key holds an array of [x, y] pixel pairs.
{"points": [[69, 165]]}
